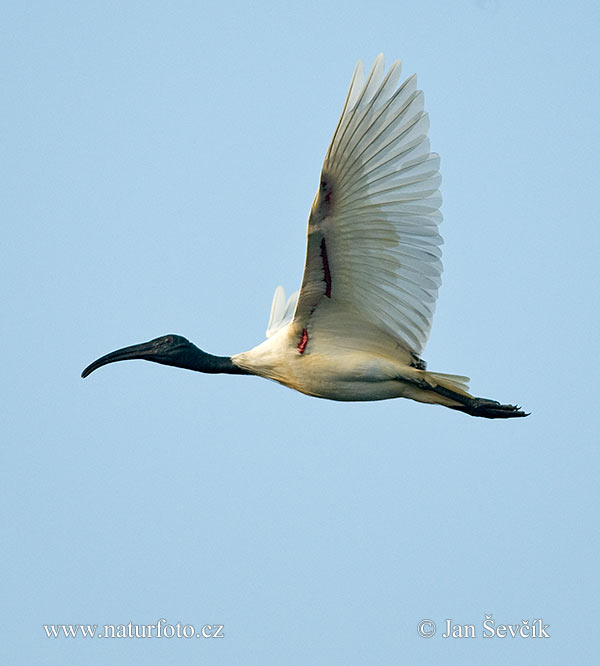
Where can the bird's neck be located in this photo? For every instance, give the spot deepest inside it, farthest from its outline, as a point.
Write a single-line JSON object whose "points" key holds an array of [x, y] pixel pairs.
{"points": [[201, 361]]}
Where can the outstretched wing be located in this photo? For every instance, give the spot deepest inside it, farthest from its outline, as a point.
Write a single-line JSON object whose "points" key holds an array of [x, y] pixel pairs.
{"points": [[373, 243]]}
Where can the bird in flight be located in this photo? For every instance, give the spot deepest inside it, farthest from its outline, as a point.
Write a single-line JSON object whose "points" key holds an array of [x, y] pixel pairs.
{"points": [[358, 325]]}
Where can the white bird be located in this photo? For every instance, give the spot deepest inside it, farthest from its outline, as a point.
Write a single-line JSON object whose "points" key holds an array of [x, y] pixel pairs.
{"points": [[358, 325]]}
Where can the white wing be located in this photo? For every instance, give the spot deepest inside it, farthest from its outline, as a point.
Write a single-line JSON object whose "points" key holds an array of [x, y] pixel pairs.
{"points": [[373, 244], [282, 311]]}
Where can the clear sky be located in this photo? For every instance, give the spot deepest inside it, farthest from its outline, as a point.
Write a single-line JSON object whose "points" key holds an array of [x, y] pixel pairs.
{"points": [[159, 162]]}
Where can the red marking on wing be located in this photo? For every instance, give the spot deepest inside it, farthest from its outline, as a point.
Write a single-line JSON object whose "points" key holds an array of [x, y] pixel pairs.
{"points": [[325, 202], [326, 270], [303, 341]]}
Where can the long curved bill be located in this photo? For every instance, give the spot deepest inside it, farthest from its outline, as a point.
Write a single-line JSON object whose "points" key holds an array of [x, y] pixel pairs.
{"points": [[145, 350]]}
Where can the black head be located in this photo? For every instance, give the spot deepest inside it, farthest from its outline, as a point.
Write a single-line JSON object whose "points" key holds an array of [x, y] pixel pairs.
{"points": [[169, 350]]}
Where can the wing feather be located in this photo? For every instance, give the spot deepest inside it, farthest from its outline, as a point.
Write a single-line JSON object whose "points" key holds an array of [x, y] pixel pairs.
{"points": [[373, 243], [282, 310]]}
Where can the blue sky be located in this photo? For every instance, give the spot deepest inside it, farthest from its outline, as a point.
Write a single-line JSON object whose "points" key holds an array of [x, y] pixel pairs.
{"points": [[159, 165]]}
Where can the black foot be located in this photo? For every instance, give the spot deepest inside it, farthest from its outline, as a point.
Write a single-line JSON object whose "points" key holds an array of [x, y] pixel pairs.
{"points": [[490, 409]]}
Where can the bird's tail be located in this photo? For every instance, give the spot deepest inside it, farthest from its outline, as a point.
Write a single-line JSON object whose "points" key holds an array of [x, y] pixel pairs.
{"points": [[455, 387], [456, 383]]}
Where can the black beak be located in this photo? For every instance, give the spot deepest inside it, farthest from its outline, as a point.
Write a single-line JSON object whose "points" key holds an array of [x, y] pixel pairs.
{"points": [[172, 350], [145, 350]]}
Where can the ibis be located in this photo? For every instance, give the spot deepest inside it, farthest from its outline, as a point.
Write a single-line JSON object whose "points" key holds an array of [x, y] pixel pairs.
{"points": [[357, 327]]}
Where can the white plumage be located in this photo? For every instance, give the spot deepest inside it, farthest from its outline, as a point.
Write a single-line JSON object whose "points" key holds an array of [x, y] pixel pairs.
{"points": [[358, 325], [380, 224], [282, 310], [373, 266]]}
